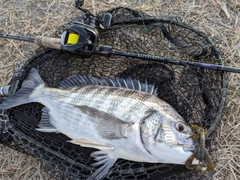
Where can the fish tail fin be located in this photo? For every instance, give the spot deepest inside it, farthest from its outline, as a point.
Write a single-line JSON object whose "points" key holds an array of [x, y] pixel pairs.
{"points": [[22, 95]]}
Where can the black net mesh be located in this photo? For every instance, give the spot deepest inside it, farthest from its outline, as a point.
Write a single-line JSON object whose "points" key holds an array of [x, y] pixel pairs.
{"points": [[197, 94]]}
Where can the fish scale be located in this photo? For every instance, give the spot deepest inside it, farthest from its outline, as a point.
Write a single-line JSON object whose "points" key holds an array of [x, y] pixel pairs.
{"points": [[74, 116], [121, 120]]}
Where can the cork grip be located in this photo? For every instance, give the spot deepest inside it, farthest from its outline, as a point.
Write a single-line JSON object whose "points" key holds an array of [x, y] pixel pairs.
{"points": [[53, 43]]}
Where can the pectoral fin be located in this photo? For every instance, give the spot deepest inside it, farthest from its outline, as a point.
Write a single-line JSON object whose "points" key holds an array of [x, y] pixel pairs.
{"points": [[107, 125], [104, 159], [88, 143]]}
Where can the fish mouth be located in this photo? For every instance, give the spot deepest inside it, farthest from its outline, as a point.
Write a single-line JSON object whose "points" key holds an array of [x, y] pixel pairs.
{"points": [[189, 147]]}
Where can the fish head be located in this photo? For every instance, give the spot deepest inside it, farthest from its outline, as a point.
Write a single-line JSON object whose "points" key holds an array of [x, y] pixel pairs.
{"points": [[167, 138]]}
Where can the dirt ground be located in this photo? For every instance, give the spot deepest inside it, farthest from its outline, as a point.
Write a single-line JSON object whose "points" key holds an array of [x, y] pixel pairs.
{"points": [[220, 19]]}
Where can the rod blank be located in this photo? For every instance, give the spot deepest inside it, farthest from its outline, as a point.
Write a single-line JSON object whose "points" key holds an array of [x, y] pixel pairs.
{"points": [[178, 62], [21, 38]]}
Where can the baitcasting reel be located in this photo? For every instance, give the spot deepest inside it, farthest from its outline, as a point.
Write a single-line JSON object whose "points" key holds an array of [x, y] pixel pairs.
{"points": [[81, 37]]}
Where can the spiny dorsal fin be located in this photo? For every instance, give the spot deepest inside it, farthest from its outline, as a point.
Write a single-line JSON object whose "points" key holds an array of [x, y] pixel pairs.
{"points": [[129, 83]]}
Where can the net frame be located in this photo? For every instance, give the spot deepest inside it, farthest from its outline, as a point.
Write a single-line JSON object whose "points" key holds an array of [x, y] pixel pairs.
{"points": [[15, 132]]}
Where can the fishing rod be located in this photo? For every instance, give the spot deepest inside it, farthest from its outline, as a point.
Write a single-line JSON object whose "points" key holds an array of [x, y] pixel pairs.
{"points": [[81, 39]]}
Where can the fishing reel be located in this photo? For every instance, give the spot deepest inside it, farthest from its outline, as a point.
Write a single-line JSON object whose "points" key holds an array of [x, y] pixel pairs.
{"points": [[81, 37]]}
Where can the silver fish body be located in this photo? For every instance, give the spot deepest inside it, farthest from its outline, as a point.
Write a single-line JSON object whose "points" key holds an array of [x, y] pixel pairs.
{"points": [[122, 122]]}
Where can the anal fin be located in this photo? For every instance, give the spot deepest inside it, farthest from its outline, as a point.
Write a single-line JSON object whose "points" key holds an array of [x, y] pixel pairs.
{"points": [[45, 125]]}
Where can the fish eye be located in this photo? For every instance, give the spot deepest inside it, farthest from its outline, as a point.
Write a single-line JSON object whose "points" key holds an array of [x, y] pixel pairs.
{"points": [[181, 127]]}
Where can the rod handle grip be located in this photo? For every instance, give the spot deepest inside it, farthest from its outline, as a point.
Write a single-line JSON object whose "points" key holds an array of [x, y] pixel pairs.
{"points": [[53, 43]]}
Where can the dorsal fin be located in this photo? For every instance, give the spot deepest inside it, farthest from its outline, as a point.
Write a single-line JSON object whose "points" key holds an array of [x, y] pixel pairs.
{"points": [[129, 83]]}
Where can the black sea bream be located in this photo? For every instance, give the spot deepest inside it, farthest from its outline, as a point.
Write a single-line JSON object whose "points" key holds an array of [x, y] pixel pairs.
{"points": [[123, 118]]}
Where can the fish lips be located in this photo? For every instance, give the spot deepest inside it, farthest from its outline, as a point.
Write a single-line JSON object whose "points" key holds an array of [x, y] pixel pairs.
{"points": [[189, 147]]}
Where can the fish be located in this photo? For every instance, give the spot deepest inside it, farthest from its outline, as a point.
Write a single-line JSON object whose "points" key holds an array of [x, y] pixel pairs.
{"points": [[122, 118]]}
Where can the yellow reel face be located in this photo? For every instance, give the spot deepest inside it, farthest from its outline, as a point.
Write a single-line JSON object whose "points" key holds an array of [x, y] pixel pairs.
{"points": [[72, 38]]}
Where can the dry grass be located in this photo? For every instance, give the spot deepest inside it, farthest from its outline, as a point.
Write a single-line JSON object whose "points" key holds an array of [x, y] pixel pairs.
{"points": [[219, 19], [15, 165]]}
